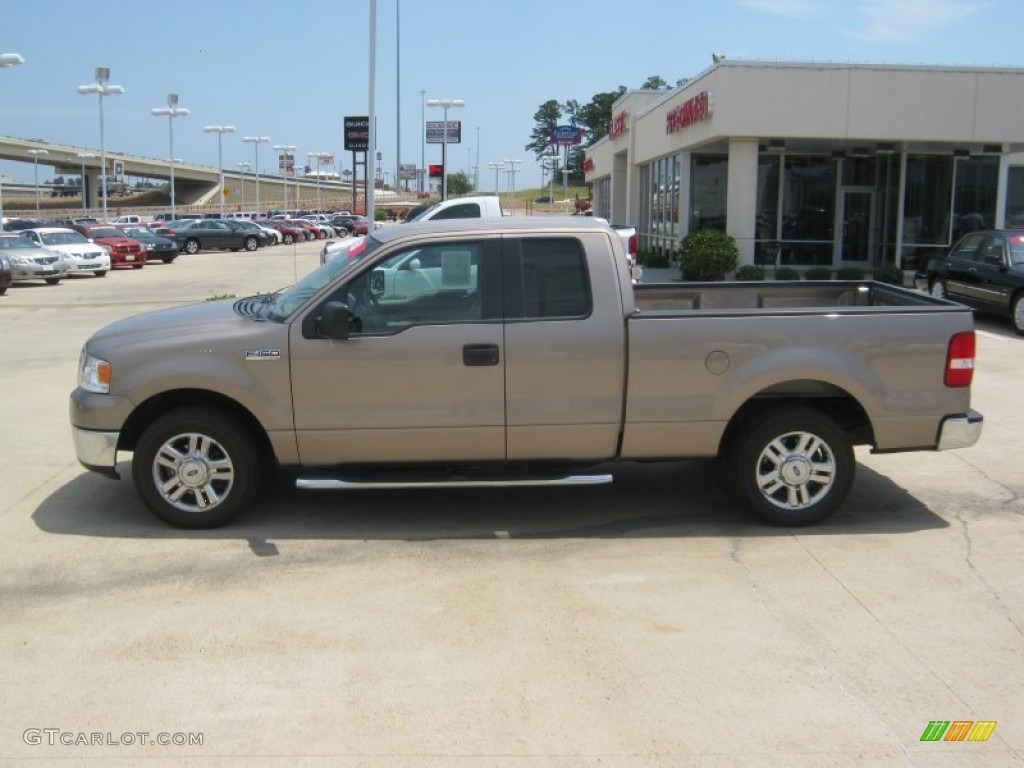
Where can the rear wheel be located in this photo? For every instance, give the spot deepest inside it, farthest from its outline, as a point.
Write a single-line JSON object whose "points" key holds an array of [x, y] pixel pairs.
{"points": [[1018, 313], [191, 245], [196, 468], [289, 239], [937, 288], [793, 466]]}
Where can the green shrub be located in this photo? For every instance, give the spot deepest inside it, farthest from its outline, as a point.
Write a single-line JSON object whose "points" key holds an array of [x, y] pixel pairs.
{"points": [[379, 214], [750, 272], [850, 273], [787, 273], [819, 273], [889, 274], [654, 259], [708, 254]]}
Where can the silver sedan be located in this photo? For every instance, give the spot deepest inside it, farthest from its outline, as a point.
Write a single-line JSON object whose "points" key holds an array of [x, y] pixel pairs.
{"points": [[30, 261]]}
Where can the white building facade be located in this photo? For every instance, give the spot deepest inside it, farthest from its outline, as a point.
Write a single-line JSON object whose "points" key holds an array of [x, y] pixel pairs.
{"points": [[817, 164]]}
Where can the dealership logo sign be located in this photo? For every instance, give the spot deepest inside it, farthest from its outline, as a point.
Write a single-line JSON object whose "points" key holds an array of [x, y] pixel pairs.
{"points": [[619, 125], [695, 110], [567, 135]]}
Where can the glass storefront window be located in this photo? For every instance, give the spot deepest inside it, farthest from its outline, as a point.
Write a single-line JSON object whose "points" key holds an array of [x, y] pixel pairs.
{"points": [[1015, 196], [709, 183], [659, 206], [926, 209], [809, 199], [974, 195]]}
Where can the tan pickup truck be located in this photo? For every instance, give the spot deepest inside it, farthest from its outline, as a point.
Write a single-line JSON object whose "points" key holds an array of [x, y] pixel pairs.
{"points": [[517, 351]]}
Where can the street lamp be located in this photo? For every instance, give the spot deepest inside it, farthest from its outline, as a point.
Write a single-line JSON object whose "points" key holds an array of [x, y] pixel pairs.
{"points": [[445, 105], [35, 160], [171, 111], [256, 141], [551, 164], [84, 156], [423, 138], [320, 156], [512, 175], [243, 166], [220, 130], [498, 168], [101, 89], [288, 149], [7, 60]]}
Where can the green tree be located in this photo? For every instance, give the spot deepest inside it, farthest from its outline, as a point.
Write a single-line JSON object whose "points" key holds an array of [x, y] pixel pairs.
{"points": [[596, 115], [459, 184], [655, 83], [545, 119]]}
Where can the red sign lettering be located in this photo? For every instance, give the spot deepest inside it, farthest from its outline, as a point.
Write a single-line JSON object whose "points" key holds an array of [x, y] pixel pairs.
{"points": [[694, 110], [619, 125]]}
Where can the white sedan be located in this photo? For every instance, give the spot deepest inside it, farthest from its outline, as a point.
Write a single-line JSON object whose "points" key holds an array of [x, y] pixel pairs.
{"points": [[81, 253]]}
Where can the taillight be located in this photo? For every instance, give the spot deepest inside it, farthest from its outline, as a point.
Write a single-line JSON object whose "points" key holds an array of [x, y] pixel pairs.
{"points": [[632, 245], [960, 360]]}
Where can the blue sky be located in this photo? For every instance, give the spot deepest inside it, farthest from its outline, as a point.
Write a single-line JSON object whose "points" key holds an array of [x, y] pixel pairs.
{"points": [[294, 78]]}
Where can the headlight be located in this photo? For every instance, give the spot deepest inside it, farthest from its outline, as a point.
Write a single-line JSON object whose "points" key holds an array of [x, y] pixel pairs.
{"points": [[93, 374], [106, 248], [20, 259], [149, 246]]}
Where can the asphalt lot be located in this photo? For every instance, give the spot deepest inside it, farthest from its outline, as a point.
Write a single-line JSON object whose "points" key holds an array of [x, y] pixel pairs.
{"points": [[645, 623]]}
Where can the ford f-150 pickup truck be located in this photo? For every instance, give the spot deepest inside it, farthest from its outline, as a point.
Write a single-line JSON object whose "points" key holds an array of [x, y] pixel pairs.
{"points": [[517, 351]]}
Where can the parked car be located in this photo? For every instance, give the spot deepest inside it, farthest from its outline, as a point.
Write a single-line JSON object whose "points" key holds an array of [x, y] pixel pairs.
{"points": [[80, 253], [353, 224], [124, 251], [288, 233], [28, 260], [5, 274], [157, 247], [984, 270], [19, 224], [266, 236], [193, 235], [130, 220]]}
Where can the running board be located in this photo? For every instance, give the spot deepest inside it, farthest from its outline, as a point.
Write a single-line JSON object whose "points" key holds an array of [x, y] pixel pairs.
{"points": [[330, 483]]}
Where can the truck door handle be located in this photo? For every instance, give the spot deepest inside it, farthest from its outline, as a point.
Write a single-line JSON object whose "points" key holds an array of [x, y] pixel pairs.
{"points": [[480, 354]]}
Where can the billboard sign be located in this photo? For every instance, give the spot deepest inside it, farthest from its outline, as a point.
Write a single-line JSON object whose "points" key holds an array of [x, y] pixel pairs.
{"points": [[436, 132], [357, 134], [567, 135]]}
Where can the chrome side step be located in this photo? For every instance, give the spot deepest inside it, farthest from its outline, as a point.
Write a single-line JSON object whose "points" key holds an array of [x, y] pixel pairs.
{"points": [[330, 483]]}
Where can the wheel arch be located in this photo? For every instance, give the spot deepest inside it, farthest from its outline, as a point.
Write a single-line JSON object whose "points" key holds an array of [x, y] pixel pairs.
{"points": [[165, 402]]}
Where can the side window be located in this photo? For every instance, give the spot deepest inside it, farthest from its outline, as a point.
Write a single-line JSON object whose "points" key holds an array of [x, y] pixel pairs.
{"points": [[464, 211], [555, 280], [969, 248], [992, 251], [437, 284]]}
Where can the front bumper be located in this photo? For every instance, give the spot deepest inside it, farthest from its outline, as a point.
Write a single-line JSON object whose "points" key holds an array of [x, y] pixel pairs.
{"points": [[96, 451], [961, 431]]}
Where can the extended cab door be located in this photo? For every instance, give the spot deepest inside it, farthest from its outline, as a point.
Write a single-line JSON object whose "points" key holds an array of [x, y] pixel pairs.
{"points": [[421, 377], [564, 347]]}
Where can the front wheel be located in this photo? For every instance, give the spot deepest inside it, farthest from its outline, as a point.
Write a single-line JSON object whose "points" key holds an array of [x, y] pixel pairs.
{"points": [[52, 280], [196, 468], [794, 466], [191, 245], [289, 239], [251, 244], [1017, 309], [100, 273]]}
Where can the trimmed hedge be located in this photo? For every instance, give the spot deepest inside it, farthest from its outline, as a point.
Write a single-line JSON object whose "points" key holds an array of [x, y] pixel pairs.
{"points": [[787, 273], [818, 273], [890, 274], [750, 272], [707, 255]]}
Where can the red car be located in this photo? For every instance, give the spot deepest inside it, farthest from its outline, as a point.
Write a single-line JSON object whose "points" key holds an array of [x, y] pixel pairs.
{"points": [[289, 234], [124, 251]]}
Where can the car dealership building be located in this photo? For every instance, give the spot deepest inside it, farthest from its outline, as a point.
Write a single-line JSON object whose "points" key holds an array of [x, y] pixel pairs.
{"points": [[817, 164]]}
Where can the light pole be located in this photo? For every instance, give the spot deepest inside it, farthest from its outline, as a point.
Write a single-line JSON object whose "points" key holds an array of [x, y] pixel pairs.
{"points": [[101, 89], [287, 149], [220, 130], [256, 141], [512, 176], [476, 168], [551, 163], [319, 157], [171, 111], [35, 161], [445, 105], [7, 60], [246, 167], [83, 156], [423, 139], [498, 168]]}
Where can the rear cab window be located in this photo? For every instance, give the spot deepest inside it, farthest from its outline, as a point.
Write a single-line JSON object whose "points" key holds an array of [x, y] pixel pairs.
{"points": [[546, 278]]}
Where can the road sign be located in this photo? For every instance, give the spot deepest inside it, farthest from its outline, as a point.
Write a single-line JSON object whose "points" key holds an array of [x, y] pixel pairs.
{"points": [[406, 172], [436, 132], [357, 134]]}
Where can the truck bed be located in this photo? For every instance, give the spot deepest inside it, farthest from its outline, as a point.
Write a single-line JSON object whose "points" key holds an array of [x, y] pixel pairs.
{"points": [[811, 295]]}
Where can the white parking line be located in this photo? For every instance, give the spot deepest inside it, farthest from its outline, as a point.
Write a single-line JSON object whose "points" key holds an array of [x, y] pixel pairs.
{"points": [[989, 335]]}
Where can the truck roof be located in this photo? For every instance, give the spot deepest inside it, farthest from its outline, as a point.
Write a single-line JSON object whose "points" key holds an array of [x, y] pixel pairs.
{"points": [[504, 224]]}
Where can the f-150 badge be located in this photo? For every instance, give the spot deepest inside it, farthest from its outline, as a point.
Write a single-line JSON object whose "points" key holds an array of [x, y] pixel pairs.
{"points": [[263, 354]]}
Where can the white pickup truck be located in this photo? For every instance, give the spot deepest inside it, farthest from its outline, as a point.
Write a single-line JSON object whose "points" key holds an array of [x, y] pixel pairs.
{"points": [[515, 351]]}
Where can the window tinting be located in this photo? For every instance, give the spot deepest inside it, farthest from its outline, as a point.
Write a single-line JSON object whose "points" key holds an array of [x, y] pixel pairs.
{"points": [[555, 280], [464, 211]]}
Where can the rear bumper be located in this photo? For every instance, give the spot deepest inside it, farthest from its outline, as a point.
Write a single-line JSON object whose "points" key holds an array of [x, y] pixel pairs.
{"points": [[960, 431]]}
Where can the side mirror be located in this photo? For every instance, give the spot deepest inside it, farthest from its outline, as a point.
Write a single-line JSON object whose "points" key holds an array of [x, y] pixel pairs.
{"points": [[334, 323]]}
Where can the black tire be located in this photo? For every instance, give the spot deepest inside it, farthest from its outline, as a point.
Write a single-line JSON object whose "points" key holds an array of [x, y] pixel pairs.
{"points": [[289, 239], [190, 440], [191, 246], [167, 259], [1017, 313], [793, 466], [3, 290], [251, 244], [138, 266], [100, 273], [52, 280], [937, 288]]}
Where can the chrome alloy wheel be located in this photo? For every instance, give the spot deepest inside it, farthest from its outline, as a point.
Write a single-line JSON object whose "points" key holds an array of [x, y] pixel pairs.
{"points": [[796, 470], [192, 472]]}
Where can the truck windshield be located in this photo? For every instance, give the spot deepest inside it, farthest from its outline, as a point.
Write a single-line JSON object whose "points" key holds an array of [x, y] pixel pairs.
{"points": [[287, 302]]}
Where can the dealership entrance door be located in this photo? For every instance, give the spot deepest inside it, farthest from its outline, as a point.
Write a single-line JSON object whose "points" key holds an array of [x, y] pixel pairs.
{"points": [[856, 239]]}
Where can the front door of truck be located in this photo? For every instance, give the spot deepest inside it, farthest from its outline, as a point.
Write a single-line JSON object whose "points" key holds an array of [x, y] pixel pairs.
{"points": [[422, 376]]}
